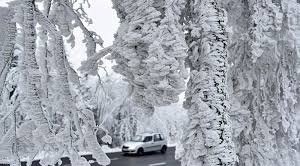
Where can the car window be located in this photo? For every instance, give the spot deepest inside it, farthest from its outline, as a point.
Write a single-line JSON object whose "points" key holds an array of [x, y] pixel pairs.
{"points": [[148, 139], [137, 138], [161, 137], [157, 137]]}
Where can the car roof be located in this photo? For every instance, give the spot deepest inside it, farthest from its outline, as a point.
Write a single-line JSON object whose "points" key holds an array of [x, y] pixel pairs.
{"points": [[148, 134]]}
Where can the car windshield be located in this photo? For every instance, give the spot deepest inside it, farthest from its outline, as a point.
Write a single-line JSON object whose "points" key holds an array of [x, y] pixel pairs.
{"points": [[137, 138]]}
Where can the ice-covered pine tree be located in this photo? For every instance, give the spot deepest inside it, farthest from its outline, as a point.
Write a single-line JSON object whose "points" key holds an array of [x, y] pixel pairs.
{"points": [[208, 137], [150, 49], [264, 81]]}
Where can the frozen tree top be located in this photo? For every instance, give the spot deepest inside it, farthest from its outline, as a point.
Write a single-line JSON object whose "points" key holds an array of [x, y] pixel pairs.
{"points": [[150, 50]]}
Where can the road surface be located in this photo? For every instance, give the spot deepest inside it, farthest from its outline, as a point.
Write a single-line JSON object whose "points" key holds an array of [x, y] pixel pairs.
{"points": [[149, 159], [118, 159]]}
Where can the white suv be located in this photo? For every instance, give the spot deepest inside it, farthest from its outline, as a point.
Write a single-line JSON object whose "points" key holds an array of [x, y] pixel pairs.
{"points": [[146, 142]]}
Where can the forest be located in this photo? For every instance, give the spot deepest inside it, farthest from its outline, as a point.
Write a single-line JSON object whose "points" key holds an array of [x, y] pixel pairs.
{"points": [[220, 79]]}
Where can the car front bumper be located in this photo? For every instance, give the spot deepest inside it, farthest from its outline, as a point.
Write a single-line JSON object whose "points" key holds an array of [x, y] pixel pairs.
{"points": [[131, 151]]}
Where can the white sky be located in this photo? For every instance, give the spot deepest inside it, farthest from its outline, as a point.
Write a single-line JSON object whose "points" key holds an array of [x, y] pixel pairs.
{"points": [[105, 19], [105, 23], [3, 2]]}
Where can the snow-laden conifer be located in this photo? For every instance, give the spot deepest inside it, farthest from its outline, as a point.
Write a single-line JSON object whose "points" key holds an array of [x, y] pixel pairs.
{"points": [[150, 50], [263, 80], [208, 138]]}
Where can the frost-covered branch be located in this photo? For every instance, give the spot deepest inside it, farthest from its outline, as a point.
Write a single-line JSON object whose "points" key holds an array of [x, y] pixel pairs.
{"points": [[92, 39], [91, 65]]}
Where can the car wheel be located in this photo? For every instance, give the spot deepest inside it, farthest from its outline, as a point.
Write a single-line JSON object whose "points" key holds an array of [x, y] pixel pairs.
{"points": [[140, 151], [163, 149]]}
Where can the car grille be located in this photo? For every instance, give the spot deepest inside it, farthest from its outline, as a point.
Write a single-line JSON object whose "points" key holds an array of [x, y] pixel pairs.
{"points": [[125, 147]]}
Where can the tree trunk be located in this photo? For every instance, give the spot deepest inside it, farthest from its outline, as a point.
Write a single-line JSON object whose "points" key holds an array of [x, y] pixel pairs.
{"points": [[208, 138], [264, 81], [31, 73], [7, 45]]}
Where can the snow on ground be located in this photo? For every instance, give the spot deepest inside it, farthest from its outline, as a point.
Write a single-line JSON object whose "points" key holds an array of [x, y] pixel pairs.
{"points": [[107, 149], [42, 155]]}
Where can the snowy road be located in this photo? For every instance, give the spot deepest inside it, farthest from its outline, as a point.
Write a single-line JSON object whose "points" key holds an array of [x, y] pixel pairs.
{"points": [[118, 159]]}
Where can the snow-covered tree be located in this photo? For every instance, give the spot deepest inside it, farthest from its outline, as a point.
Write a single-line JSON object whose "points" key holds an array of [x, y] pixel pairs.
{"points": [[123, 115], [15, 141], [169, 120], [150, 49], [45, 107], [8, 38], [52, 120], [81, 135], [31, 76], [110, 100], [208, 137], [264, 81]]}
